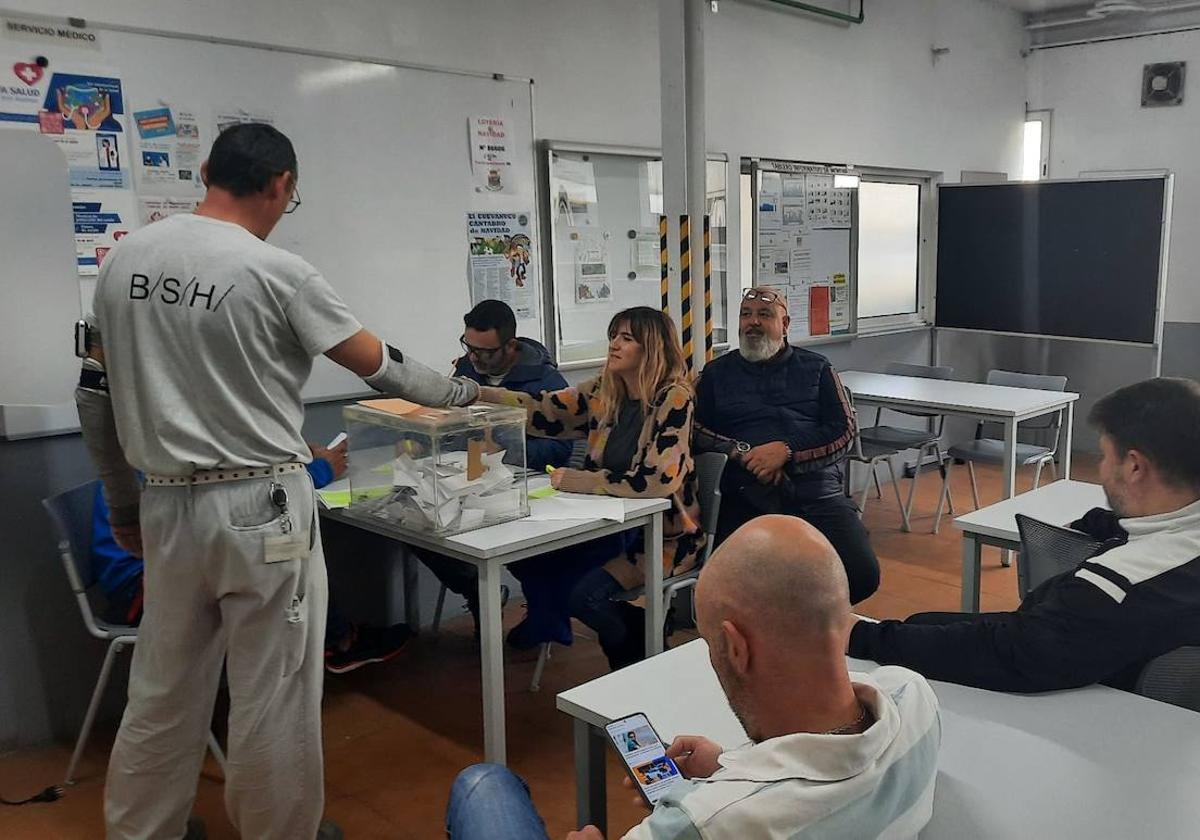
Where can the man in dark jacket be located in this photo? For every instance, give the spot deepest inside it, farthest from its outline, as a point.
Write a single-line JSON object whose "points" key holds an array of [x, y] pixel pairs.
{"points": [[1101, 622], [494, 355], [781, 415]]}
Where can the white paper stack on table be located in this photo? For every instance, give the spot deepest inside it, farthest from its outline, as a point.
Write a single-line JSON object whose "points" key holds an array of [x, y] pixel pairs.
{"points": [[576, 506]]}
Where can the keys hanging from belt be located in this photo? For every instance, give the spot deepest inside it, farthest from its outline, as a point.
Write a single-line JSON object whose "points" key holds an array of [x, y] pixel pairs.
{"points": [[279, 498]]}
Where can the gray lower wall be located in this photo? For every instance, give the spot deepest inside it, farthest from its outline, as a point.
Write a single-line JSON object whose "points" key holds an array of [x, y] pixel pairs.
{"points": [[1181, 350]]}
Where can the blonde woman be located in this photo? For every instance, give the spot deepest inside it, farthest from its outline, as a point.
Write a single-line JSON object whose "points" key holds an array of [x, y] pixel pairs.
{"points": [[637, 419]]}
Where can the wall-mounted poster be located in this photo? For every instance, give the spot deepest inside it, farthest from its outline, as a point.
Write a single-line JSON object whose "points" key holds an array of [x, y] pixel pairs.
{"points": [[501, 263]]}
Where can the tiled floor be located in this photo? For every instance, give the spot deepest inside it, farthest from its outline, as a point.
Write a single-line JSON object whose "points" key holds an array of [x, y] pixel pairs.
{"points": [[396, 734]]}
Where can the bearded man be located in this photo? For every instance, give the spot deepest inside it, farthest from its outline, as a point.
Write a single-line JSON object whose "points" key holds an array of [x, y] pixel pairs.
{"points": [[782, 416]]}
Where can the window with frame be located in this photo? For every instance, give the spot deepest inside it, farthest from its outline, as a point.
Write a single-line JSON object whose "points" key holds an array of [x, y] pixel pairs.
{"points": [[893, 210], [604, 207], [1035, 146]]}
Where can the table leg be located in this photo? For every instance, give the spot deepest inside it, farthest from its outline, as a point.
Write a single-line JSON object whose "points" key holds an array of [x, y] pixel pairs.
{"points": [[412, 592], [491, 655], [972, 553], [591, 803], [1066, 450], [653, 546], [1009, 488]]}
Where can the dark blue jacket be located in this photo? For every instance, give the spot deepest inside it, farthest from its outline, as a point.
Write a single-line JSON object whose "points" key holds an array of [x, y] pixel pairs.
{"points": [[796, 398], [534, 373]]}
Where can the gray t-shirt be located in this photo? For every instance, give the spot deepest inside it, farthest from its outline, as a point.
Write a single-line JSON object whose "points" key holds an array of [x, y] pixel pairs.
{"points": [[209, 334]]}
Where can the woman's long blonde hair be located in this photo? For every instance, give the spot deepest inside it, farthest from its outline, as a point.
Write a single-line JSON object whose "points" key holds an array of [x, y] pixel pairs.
{"points": [[662, 360]]}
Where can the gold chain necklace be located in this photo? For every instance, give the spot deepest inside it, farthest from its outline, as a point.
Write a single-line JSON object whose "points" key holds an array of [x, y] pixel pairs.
{"points": [[847, 728]]}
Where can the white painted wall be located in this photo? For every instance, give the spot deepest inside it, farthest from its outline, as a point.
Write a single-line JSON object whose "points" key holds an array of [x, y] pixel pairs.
{"points": [[1098, 123]]}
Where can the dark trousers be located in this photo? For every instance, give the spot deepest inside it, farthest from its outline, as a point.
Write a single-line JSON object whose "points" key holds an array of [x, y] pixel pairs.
{"points": [[835, 516], [554, 583], [459, 577], [619, 624]]}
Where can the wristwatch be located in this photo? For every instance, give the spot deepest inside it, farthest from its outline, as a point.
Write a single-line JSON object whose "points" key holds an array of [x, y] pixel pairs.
{"points": [[741, 447]]}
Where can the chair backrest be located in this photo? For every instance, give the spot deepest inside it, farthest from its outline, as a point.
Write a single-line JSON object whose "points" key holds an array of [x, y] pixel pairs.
{"points": [[1048, 550], [710, 466], [922, 371], [919, 371], [71, 512], [1039, 381], [1173, 678]]}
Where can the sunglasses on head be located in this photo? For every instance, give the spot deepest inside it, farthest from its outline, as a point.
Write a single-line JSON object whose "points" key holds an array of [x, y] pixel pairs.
{"points": [[764, 296]]}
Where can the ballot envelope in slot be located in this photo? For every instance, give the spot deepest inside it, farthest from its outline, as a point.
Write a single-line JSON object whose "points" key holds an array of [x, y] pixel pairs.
{"points": [[440, 470]]}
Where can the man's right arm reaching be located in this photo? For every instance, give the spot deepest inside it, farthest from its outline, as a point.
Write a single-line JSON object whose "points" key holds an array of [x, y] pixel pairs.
{"points": [[389, 371]]}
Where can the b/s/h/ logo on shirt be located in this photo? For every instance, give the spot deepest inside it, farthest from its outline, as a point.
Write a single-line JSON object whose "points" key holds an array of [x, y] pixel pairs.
{"points": [[171, 291]]}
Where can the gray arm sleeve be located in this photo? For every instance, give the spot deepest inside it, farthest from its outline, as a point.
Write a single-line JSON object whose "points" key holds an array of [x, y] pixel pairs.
{"points": [[121, 489], [412, 380]]}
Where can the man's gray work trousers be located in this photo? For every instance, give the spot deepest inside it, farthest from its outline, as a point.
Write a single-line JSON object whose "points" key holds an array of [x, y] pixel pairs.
{"points": [[221, 586]]}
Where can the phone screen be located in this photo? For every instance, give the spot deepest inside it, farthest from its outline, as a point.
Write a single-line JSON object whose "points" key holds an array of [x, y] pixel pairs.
{"points": [[644, 756]]}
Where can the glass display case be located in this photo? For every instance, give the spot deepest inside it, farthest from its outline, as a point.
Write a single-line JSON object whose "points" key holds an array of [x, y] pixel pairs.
{"points": [[440, 470]]}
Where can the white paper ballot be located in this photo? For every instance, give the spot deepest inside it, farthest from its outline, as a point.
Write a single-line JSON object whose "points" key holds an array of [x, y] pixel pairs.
{"points": [[576, 506]]}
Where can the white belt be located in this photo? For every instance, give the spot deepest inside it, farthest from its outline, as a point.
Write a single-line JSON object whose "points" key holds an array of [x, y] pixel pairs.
{"points": [[230, 474]]}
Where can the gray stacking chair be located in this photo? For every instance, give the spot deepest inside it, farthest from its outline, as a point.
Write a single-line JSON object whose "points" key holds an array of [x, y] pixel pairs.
{"points": [[1048, 550], [871, 455], [710, 466], [880, 437], [991, 451], [71, 511]]}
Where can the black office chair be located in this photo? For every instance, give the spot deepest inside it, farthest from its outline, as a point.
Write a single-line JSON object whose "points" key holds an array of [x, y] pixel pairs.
{"points": [[1048, 550]]}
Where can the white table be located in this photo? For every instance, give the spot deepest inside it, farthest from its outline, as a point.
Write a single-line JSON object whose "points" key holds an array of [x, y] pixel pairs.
{"points": [[489, 549], [995, 403], [1059, 503], [1092, 763]]}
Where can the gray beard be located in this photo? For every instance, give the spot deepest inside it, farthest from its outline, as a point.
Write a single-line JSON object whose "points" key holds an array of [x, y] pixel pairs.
{"points": [[758, 349]]}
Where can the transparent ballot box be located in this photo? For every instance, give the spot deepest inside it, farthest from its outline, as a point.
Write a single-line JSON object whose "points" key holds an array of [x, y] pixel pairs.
{"points": [[441, 470]]}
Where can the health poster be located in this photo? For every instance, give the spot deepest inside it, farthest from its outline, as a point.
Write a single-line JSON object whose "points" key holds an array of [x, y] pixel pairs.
{"points": [[102, 217], [169, 152], [491, 154], [500, 261], [83, 112]]}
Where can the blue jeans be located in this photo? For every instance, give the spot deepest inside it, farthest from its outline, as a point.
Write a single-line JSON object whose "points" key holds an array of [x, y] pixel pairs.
{"points": [[493, 803]]}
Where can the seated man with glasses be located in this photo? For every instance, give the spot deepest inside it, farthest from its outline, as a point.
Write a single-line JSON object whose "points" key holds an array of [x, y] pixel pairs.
{"points": [[494, 355], [781, 415]]}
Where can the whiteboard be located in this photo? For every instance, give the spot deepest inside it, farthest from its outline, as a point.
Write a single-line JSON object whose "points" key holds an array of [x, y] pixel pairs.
{"points": [[805, 220], [385, 175]]}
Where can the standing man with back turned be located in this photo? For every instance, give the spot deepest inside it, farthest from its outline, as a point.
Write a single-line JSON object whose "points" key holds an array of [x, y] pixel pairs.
{"points": [[202, 338]]}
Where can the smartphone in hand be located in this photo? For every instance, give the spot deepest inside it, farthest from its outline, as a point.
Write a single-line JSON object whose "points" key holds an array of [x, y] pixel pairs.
{"points": [[644, 755]]}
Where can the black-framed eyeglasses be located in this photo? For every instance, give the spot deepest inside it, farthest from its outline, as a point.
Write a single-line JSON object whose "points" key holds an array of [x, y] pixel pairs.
{"points": [[479, 352], [293, 202], [764, 296]]}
